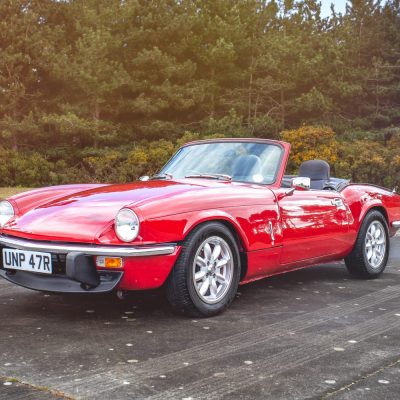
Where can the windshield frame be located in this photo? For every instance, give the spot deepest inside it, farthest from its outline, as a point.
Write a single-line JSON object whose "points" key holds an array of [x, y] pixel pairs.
{"points": [[234, 140]]}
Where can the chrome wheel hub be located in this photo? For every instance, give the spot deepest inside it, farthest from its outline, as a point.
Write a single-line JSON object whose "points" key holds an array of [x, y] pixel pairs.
{"points": [[375, 244], [213, 269]]}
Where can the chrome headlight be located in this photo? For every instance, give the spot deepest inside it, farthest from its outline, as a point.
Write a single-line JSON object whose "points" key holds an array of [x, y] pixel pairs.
{"points": [[127, 225], [6, 212]]}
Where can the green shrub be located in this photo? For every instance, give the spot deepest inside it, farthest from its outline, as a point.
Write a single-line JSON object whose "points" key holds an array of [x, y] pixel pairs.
{"points": [[372, 160]]}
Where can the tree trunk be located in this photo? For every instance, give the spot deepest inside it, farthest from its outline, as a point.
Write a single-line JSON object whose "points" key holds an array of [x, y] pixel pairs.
{"points": [[14, 142], [14, 139], [283, 116], [249, 101], [212, 94], [96, 118], [250, 96]]}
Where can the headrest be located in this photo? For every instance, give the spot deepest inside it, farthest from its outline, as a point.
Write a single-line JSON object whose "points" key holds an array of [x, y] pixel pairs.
{"points": [[315, 170]]}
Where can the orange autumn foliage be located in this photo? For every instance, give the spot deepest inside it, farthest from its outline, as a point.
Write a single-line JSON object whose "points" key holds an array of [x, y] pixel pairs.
{"points": [[309, 143]]}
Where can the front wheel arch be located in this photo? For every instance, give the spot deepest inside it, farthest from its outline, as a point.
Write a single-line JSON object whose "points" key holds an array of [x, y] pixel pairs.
{"points": [[180, 288], [238, 239]]}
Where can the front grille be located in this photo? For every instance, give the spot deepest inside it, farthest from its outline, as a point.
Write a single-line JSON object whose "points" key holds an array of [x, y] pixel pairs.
{"points": [[58, 261]]}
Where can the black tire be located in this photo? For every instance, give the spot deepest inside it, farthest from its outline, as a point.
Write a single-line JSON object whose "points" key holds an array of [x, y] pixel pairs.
{"points": [[357, 261], [180, 286]]}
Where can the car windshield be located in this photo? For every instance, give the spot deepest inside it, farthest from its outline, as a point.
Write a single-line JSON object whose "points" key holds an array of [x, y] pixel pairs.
{"points": [[239, 161]]}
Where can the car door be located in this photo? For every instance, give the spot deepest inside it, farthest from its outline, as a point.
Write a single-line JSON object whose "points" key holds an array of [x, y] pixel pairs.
{"points": [[314, 225]]}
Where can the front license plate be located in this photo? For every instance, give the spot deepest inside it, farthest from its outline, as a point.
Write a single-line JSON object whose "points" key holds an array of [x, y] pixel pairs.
{"points": [[31, 261]]}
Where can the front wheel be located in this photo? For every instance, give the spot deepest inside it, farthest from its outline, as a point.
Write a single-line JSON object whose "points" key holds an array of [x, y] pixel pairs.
{"points": [[206, 275], [369, 256]]}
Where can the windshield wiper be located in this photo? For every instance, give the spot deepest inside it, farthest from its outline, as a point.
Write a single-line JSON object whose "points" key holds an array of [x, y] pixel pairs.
{"points": [[211, 176], [166, 175]]}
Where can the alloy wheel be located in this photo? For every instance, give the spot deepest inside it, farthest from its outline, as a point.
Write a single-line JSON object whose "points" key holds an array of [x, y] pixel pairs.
{"points": [[213, 269]]}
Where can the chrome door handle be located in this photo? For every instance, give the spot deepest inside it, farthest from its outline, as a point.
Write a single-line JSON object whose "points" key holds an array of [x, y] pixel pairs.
{"points": [[271, 231], [338, 202]]}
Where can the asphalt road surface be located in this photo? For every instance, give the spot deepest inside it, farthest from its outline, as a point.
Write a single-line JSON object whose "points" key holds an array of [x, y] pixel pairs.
{"points": [[309, 334]]}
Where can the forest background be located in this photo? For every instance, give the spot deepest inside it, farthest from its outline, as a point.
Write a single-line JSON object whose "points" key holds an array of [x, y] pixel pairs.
{"points": [[106, 90]]}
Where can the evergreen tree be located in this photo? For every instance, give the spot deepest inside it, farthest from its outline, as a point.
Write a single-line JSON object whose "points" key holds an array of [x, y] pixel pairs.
{"points": [[83, 81]]}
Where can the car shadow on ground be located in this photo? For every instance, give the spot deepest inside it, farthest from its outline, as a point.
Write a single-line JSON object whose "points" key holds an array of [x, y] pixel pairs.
{"points": [[153, 304]]}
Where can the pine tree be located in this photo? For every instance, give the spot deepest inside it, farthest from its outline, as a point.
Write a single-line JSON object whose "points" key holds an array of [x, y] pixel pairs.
{"points": [[26, 56]]}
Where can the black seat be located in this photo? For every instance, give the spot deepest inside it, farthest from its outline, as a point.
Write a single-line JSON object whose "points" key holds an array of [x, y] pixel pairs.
{"points": [[317, 170], [246, 166]]}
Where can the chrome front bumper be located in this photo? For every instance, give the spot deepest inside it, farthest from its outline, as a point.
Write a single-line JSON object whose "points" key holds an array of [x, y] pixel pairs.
{"points": [[79, 273], [396, 224], [87, 249]]}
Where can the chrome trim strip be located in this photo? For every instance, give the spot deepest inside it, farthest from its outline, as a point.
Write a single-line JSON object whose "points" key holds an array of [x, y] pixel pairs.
{"points": [[396, 224], [95, 250]]}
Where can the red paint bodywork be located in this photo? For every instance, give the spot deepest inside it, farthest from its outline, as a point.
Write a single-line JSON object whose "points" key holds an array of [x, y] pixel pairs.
{"points": [[308, 228]]}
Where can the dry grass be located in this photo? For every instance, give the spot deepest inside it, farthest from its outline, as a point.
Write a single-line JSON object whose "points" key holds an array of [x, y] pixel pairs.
{"points": [[9, 191]]}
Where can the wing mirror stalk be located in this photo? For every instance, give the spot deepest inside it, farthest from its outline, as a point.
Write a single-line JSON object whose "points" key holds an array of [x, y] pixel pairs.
{"points": [[286, 194], [298, 183]]}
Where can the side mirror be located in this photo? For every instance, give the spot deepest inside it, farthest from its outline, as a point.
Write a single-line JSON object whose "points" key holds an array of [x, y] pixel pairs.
{"points": [[144, 178], [301, 183]]}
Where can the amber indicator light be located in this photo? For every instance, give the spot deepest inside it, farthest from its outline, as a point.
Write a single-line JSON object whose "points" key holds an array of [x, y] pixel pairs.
{"points": [[109, 262]]}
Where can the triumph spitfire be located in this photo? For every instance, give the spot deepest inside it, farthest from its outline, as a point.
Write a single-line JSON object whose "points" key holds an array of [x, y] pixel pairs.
{"points": [[220, 213]]}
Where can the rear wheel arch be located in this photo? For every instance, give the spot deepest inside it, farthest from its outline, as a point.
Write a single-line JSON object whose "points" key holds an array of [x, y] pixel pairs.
{"points": [[356, 262], [379, 208]]}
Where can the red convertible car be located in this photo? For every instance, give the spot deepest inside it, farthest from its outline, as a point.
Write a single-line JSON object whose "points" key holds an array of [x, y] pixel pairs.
{"points": [[219, 214]]}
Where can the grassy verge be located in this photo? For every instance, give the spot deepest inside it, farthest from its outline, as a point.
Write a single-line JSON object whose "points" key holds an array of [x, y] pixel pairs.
{"points": [[9, 191]]}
